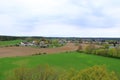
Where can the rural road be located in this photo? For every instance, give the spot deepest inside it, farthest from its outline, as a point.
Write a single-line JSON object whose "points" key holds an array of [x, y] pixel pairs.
{"points": [[24, 51]]}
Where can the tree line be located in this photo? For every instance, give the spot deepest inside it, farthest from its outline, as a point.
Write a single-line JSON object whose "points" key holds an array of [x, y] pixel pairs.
{"points": [[113, 52]]}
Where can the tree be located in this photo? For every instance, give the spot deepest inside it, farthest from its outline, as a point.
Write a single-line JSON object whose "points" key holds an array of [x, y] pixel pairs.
{"points": [[113, 52], [90, 48], [80, 47], [95, 73], [103, 52]]}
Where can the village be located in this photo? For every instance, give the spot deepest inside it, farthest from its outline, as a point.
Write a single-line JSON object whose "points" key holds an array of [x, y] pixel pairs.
{"points": [[44, 43], [52, 43]]}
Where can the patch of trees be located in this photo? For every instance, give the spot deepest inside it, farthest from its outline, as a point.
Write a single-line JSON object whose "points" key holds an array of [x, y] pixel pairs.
{"points": [[7, 38], [50, 73], [102, 51]]}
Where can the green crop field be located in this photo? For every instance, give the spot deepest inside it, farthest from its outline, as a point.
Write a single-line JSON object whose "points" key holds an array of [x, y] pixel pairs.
{"points": [[9, 43], [66, 60]]}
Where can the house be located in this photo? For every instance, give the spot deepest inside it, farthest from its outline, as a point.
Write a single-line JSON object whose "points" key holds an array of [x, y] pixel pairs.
{"points": [[26, 44], [62, 42], [42, 44], [23, 43]]}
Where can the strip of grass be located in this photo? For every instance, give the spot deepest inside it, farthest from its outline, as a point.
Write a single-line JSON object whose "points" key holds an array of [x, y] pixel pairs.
{"points": [[61, 60], [9, 43]]}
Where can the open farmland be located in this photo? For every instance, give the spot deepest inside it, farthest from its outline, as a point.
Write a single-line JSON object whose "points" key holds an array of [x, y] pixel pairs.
{"points": [[66, 60], [9, 43], [24, 51]]}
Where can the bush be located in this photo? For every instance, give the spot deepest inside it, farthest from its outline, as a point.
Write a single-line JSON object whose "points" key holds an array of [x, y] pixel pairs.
{"points": [[95, 73], [113, 52], [16, 45], [49, 73], [80, 49], [68, 75], [38, 73], [118, 52], [102, 52], [90, 48], [44, 53], [106, 46]]}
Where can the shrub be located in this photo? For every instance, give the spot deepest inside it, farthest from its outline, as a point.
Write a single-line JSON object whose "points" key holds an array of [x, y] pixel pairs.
{"points": [[80, 49], [118, 51], [95, 73], [44, 53], [106, 46], [68, 75], [49, 73], [102, 52], [113, 52], [39, 53], [38, 73], [89, 49], [16, 45]]}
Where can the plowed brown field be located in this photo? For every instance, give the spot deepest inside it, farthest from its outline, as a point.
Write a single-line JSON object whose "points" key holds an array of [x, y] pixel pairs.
{"points": [[24, 51]]}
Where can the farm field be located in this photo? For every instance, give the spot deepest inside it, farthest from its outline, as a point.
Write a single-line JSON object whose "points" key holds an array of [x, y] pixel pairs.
{"points": [[25, 51], [66, 60], [9, 43]]}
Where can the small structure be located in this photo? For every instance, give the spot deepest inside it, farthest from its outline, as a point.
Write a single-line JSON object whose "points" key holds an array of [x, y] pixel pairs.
{"points": [[26, 44], [42, 44], [62, 42]]}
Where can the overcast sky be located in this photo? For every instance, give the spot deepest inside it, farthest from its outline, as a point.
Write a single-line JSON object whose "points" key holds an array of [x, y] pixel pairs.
{"points": [[60, 18]]}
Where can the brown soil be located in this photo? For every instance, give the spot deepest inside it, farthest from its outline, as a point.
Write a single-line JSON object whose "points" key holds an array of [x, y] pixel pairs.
{"points": [[24, 51]]}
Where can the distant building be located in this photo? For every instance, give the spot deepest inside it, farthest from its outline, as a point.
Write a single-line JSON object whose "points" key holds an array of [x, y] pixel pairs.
{"points": [[26, 44], [42, 44]]}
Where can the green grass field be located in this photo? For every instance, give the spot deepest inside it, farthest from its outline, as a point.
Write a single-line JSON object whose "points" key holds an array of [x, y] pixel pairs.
{"points": [[9, 43], [64, 60]]}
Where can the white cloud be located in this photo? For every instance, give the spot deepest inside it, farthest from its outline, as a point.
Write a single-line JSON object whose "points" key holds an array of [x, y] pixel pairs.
{"points": [[65, 30], [52, 8], [57, 29], [53, 17], [6, 23]]}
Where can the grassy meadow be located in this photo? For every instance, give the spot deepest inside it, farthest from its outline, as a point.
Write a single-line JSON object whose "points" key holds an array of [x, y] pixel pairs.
{"points": [[9, 43], [64, 60]]}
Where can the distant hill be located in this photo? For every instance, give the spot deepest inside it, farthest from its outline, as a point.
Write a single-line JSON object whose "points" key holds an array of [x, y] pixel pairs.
{"points": [[6, 38]]}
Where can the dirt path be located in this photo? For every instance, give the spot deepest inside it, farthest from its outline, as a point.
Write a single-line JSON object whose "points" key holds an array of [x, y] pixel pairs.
{"points": [[24, 51]]}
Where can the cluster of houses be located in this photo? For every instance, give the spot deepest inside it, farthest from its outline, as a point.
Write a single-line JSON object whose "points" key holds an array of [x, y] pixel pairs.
{"points": [[41, 44], [111, 43], [44, 44], [100, 41]]}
